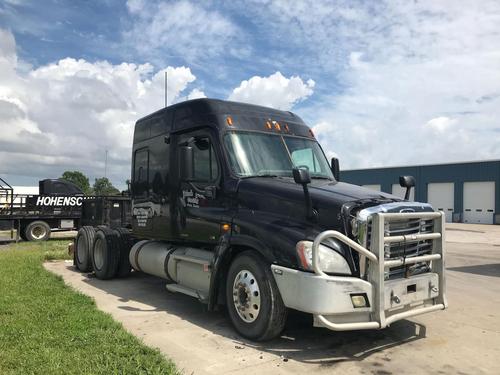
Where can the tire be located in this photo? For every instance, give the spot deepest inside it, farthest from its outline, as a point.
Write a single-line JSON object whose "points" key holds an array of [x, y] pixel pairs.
{"points": [[37, 231], [105, 253], [124, 246], [84, 243], [262, 314]]}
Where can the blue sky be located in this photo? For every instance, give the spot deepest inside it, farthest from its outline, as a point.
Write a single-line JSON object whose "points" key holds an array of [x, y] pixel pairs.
{"points": [[93, 30], [382, 83]]}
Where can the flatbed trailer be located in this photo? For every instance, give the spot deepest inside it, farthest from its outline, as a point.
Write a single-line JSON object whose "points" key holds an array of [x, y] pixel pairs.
{"points": [[60, 206]]}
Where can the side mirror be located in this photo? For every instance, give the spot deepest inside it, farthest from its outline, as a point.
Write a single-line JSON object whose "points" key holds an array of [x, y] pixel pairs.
{"points": [[186, 163], [335, 168], [407, 182], [301, 176]]}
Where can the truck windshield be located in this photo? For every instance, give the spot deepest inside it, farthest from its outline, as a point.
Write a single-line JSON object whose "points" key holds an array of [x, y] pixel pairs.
{"points": [[258, 154]]}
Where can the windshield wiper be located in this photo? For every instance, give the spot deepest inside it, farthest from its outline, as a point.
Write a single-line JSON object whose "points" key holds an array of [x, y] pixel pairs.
{"points": [[321, 178], [260, 175]]}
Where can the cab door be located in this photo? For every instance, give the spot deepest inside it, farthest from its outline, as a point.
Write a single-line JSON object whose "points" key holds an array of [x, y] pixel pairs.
{"points": [[199, 203], [150, 190]]}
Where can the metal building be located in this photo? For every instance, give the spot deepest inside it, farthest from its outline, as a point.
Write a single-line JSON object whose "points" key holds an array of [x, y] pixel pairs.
{"points": [[467, 192]]}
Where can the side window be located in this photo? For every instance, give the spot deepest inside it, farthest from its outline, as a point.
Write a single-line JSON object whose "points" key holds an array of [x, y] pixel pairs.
{"points": [[308, 153], [141, 171], [206, 168], [159, 167], [306, 157]]}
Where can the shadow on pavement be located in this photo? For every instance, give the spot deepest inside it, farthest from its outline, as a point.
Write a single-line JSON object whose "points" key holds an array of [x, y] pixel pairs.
{"points": [[299, 341], [481, 269]]}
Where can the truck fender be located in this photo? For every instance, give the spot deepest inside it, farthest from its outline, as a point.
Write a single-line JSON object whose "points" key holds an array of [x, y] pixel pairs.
{"points": [[224, 252]]}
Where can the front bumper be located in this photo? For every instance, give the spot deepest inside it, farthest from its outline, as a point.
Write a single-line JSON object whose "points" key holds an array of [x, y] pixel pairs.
{"points": [[329, 298]]}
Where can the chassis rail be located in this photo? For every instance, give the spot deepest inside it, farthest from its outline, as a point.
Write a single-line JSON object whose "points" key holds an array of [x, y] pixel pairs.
{"points": [[378, 265]]}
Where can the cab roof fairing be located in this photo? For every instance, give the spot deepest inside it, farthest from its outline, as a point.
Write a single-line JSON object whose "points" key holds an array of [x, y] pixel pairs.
{"points": [[214, 113]]}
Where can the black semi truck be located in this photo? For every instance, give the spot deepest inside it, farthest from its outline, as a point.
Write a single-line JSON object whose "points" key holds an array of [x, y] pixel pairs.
{"points": [[237, 205], [59, 206]]}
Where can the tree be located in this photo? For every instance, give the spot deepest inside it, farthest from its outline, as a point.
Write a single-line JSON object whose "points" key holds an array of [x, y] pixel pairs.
{"points": [[102, 186], [79, 179]]}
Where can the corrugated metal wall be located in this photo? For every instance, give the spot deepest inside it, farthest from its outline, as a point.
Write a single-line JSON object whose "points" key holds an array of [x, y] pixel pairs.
{"points": [[457, 173]]}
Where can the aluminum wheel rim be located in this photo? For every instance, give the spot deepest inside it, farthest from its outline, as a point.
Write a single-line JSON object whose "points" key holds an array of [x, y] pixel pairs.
{"points": [[38, 232], [98, 254], [246, 296]]}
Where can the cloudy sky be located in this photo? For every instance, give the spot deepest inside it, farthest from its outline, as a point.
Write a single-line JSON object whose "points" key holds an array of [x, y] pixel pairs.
{"points": [[382, 83]]}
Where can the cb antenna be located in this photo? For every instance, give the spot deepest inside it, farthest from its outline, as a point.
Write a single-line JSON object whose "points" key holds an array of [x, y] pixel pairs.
{"points": [[166, 85]]}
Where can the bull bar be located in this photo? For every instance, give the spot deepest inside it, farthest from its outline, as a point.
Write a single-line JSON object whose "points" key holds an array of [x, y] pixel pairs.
{"points": [[377, 265]]}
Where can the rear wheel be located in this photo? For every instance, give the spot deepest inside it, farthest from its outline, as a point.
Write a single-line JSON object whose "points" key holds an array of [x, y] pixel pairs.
{"points": [[37, 231], [253, 299], [83, 247], [105, 253]]}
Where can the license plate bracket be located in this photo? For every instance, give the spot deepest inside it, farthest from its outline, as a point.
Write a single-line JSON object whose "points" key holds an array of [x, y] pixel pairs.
{"points": [[401, 292]]}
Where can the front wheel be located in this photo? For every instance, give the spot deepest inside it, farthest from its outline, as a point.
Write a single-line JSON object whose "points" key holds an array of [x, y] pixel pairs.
{"points": [[253, 299]]}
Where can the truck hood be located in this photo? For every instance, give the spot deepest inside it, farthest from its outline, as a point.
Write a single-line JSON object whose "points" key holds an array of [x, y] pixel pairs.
{"points": [[335, 192], [283, 197]]}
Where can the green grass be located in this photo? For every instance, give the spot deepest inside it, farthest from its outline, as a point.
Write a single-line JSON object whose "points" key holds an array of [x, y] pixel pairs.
{"points": [[48, 328]]}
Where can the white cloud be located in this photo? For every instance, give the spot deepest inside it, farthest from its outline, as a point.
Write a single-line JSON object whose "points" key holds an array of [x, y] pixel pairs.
{"points": [[64, 115], [441, 124], [178, 29], [275, 91], [196, 94], [136, 6]]}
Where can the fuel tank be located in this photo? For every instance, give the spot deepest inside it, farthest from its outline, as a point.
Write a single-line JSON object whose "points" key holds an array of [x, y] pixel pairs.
{"points": [[189, 268]]}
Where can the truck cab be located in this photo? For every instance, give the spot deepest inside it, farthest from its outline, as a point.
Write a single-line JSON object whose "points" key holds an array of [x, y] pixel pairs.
{"points": [[237, 205]]}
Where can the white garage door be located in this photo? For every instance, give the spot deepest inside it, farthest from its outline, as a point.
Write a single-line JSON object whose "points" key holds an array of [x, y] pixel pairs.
{"points": [[399, 191], [479, 202], [373, 187], [441, 196]]}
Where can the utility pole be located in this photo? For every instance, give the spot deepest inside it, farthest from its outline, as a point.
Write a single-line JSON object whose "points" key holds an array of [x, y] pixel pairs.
{"points": [[106, 163]]}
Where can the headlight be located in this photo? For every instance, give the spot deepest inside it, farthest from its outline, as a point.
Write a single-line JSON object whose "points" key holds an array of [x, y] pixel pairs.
{"points": [[329, 260]]}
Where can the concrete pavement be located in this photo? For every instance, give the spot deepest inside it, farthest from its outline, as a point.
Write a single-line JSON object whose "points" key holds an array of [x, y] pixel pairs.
{"points": [[463, 339]]}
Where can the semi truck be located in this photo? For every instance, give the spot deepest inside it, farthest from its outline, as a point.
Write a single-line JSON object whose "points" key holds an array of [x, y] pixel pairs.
{"points": [[59, 206], [237, 206]]}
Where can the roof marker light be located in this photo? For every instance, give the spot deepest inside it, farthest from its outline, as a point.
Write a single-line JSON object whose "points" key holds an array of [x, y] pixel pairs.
{"points": [[277, 126], [229, 120], [268, 125]]}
